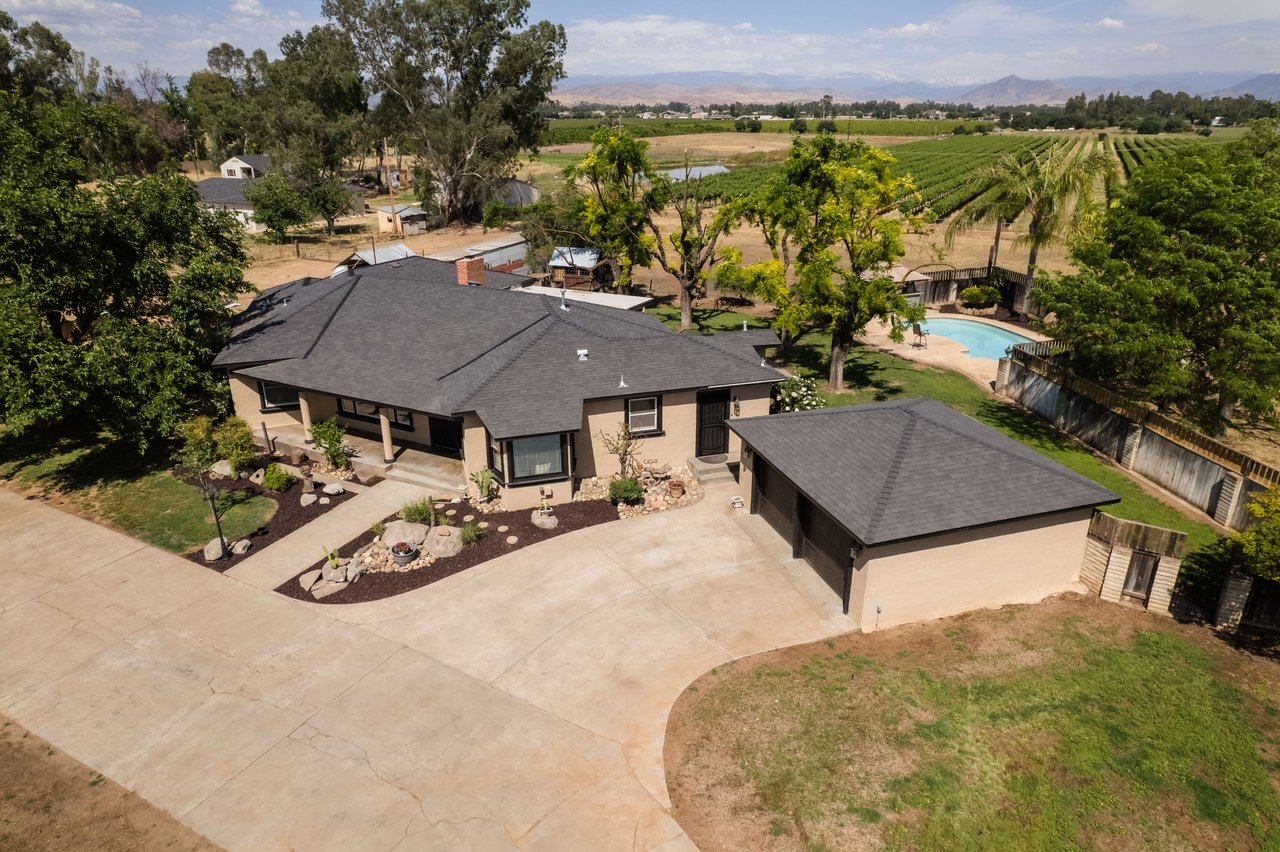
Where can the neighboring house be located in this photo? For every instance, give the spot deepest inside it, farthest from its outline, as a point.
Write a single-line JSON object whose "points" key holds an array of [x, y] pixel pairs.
{"points": [[227, 194], [517, 193], [373, 256], [578, 267], [517, 384], [911, 282], [402, 219], [501, 254], [910, 510], [246, 166], [620, 301], [359, 204]]}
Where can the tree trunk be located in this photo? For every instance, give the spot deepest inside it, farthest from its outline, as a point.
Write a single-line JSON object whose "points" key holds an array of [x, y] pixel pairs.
{"points": [[786, 340], [995, 251], [686, 305], [841, 341], [1226, 409]]}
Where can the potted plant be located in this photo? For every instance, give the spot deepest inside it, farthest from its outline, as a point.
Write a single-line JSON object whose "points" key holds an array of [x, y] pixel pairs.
{"points": [[403, 552], [675, 487]]}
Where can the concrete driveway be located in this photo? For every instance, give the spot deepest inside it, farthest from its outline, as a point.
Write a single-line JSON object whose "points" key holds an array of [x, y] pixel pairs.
{"points": [[518, 705]]}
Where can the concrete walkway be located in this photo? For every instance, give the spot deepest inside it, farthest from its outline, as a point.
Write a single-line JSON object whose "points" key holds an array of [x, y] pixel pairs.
{"points": [[518, 705]]}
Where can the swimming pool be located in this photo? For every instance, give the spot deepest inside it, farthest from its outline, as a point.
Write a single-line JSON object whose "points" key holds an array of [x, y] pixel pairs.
{"points": [[981, 340]]}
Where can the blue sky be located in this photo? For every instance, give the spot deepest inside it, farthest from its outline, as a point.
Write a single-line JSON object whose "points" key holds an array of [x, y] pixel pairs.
{"points": [[960, 42]]}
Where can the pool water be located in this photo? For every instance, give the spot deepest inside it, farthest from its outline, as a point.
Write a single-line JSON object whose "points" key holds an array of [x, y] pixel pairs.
{"points": [[981, 340]]}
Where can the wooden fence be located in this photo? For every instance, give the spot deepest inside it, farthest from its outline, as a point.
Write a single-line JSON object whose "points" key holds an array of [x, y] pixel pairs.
{"points": [[944, 286], [1206, 473]]}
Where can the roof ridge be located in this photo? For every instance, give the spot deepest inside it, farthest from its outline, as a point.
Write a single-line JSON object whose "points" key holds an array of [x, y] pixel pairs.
{"points": [[515, 356], [614, 314], [703, 340], [504, 341], [891, 478], [351, 286]]}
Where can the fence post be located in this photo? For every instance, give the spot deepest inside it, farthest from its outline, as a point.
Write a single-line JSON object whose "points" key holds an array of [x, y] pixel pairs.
{"points": [[1002, 376], [297, 252], [1235, 593]]}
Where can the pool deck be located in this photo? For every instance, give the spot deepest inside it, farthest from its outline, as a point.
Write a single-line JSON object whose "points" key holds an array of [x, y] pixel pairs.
{"points": [[944, 352]]}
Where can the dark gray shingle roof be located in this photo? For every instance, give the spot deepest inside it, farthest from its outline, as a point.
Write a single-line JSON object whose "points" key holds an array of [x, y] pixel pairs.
{"points": [[405, 334], [224, 192], [261, 163], [896, 470]]}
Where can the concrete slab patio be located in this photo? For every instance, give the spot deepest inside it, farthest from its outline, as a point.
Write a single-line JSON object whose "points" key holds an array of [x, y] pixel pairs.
{"points": [[518, 705]]}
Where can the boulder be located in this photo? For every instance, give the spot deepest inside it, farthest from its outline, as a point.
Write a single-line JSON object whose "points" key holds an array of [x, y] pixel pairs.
{"points": [[215, 550], [334, 489], [257, 476], [442, 542], [546, 522], [308, 579], [354, 570], [222, 467], [404, 531], [241, 547], [323, 590], [334, 573], [308, 499]]}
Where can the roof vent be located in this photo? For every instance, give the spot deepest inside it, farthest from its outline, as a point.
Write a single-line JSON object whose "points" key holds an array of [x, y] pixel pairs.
{"points": [[582, 354], [395, 264], [563, 305], [744, 325], [622, 381]]}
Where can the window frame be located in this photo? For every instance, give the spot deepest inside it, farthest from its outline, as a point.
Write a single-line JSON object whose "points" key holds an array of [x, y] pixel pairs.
{"points": [[496, 457], [353, 414], [265, 406], [1137, 558], [657, 415], [566, 461]]}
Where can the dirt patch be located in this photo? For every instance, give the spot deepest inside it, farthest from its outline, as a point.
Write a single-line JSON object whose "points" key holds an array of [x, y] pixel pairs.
{"points": [[720, 792], [372, 587], [50, 801], [290, 515]]}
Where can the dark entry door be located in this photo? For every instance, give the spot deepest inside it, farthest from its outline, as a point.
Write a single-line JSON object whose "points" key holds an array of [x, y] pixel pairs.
{"points": [[446, 434], [713, 431]]}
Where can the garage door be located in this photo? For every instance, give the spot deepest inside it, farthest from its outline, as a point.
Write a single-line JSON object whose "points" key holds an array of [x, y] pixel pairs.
{"points": [[824, 545], [775, 498]]}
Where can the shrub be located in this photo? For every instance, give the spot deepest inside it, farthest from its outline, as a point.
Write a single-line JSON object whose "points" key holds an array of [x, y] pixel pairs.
{"points": [[628, 490], [328, 436], [378, 528], [471, 533], [799, 125], [276, 478], [198, 451], [1204, 131], [797, 394], [235, 443], [483, 478], [827, 126], [420, 511], [979, 296]]}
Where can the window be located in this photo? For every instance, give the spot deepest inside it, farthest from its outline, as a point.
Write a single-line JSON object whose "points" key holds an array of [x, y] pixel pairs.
{"points": [[400, 418], [276, 397], [538, 457], [644, 414], [1142, 571], [495, 458]]}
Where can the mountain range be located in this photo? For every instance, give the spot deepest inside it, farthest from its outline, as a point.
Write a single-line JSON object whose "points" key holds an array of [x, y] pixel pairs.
{"points": [[707, 87]]}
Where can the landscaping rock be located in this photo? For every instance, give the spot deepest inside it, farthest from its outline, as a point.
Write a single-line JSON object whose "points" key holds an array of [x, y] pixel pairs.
{"points": [[215, 550], [466, 519], [222, 467], [323, 589], [511, 539], [325, 501], [450, 513], [442, 543], [354, 570], [404, 531], [334, 573], [308, 579], [241, 547], [308, 499], [545, 522], [484, 525], [257, 476], [503, 528], [334, 489]]}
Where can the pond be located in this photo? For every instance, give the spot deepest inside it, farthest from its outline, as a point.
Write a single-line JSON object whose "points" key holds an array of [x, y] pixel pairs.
{"points": [[697, 171]]}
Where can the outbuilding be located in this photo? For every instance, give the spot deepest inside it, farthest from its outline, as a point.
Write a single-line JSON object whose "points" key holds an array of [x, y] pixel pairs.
{"points": [[910, 510]]}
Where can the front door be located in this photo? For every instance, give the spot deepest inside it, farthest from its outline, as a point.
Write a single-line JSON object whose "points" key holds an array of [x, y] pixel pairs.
{"points": [[713, 431], [446, 434]]}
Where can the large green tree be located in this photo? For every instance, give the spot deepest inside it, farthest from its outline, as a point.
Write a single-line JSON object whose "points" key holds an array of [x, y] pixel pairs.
{"points": [[111, 295], [469, 77], [1047, 186], [279, 204], [1178, 296]]}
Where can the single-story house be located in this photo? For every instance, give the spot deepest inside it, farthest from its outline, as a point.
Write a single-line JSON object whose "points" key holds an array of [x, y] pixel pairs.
{"points": [[227, 194], [245, 166], [517, 193], [402, 219], [523, 386], [910, 510], [578, 267], [622, 301], [373, 256], [501, 254]]}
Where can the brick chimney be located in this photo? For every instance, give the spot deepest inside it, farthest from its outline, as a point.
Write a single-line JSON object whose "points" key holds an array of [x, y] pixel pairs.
{"points": [[470, 271]]}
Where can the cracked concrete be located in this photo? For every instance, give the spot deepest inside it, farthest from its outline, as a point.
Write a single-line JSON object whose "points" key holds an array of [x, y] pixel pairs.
{"points": [[519, 705]]}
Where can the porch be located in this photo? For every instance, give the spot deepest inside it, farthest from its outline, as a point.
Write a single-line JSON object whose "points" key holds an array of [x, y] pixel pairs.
{"points": [[411, 463]]}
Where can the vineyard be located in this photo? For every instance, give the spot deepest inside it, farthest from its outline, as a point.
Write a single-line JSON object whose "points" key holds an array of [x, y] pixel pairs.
{"points": [[1134, 152], [565, 131]]}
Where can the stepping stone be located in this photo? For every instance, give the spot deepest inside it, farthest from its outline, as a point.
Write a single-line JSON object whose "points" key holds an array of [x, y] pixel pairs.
{"points": [[323, 590], [451, 512], [324, 501], [502, 529], [308, 579], [466, 519], [511, 539], [484, 525]]}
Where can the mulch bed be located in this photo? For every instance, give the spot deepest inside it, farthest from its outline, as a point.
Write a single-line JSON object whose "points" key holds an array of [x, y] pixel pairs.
{"points": [[290, 515], [372, 587]]}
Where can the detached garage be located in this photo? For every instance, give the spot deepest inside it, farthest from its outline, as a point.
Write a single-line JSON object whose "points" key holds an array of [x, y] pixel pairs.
{"points": [[910, 510]]}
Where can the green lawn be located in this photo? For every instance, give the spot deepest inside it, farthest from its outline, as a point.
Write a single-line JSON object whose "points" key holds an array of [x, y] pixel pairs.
{"points": [[872, 376], [104, 480], [1062, 726]]}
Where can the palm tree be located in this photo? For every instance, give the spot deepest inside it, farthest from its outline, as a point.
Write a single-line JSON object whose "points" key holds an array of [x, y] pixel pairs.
{"points": [[1047, 185]]}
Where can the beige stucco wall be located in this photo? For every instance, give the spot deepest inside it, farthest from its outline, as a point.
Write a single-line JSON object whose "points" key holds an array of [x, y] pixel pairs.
{"points": [[1016, 562], [248, 406]]}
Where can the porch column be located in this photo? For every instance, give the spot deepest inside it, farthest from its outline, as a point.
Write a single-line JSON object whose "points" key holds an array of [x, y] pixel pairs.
{"points": [[388, 453], [304, 408]]}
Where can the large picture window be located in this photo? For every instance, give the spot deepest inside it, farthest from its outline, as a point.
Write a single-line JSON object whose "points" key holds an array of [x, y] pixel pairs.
{"points": [[538, 457], [400, 418], [275, 397], [644, 415]]}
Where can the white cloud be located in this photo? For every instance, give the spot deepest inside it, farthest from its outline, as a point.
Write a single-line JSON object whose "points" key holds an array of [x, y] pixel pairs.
{"points": [[1224, 12], [1110, 24], [928, 28], [744, 27], [250, 9], [1151, 48]]}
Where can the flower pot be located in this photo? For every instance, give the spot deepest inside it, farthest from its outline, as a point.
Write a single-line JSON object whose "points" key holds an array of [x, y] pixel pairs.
{"points": [[675, 488], [404, 558]]}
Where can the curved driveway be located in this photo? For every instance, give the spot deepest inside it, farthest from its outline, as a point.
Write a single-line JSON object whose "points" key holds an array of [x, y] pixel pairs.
{"points": [[518, 705]]}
